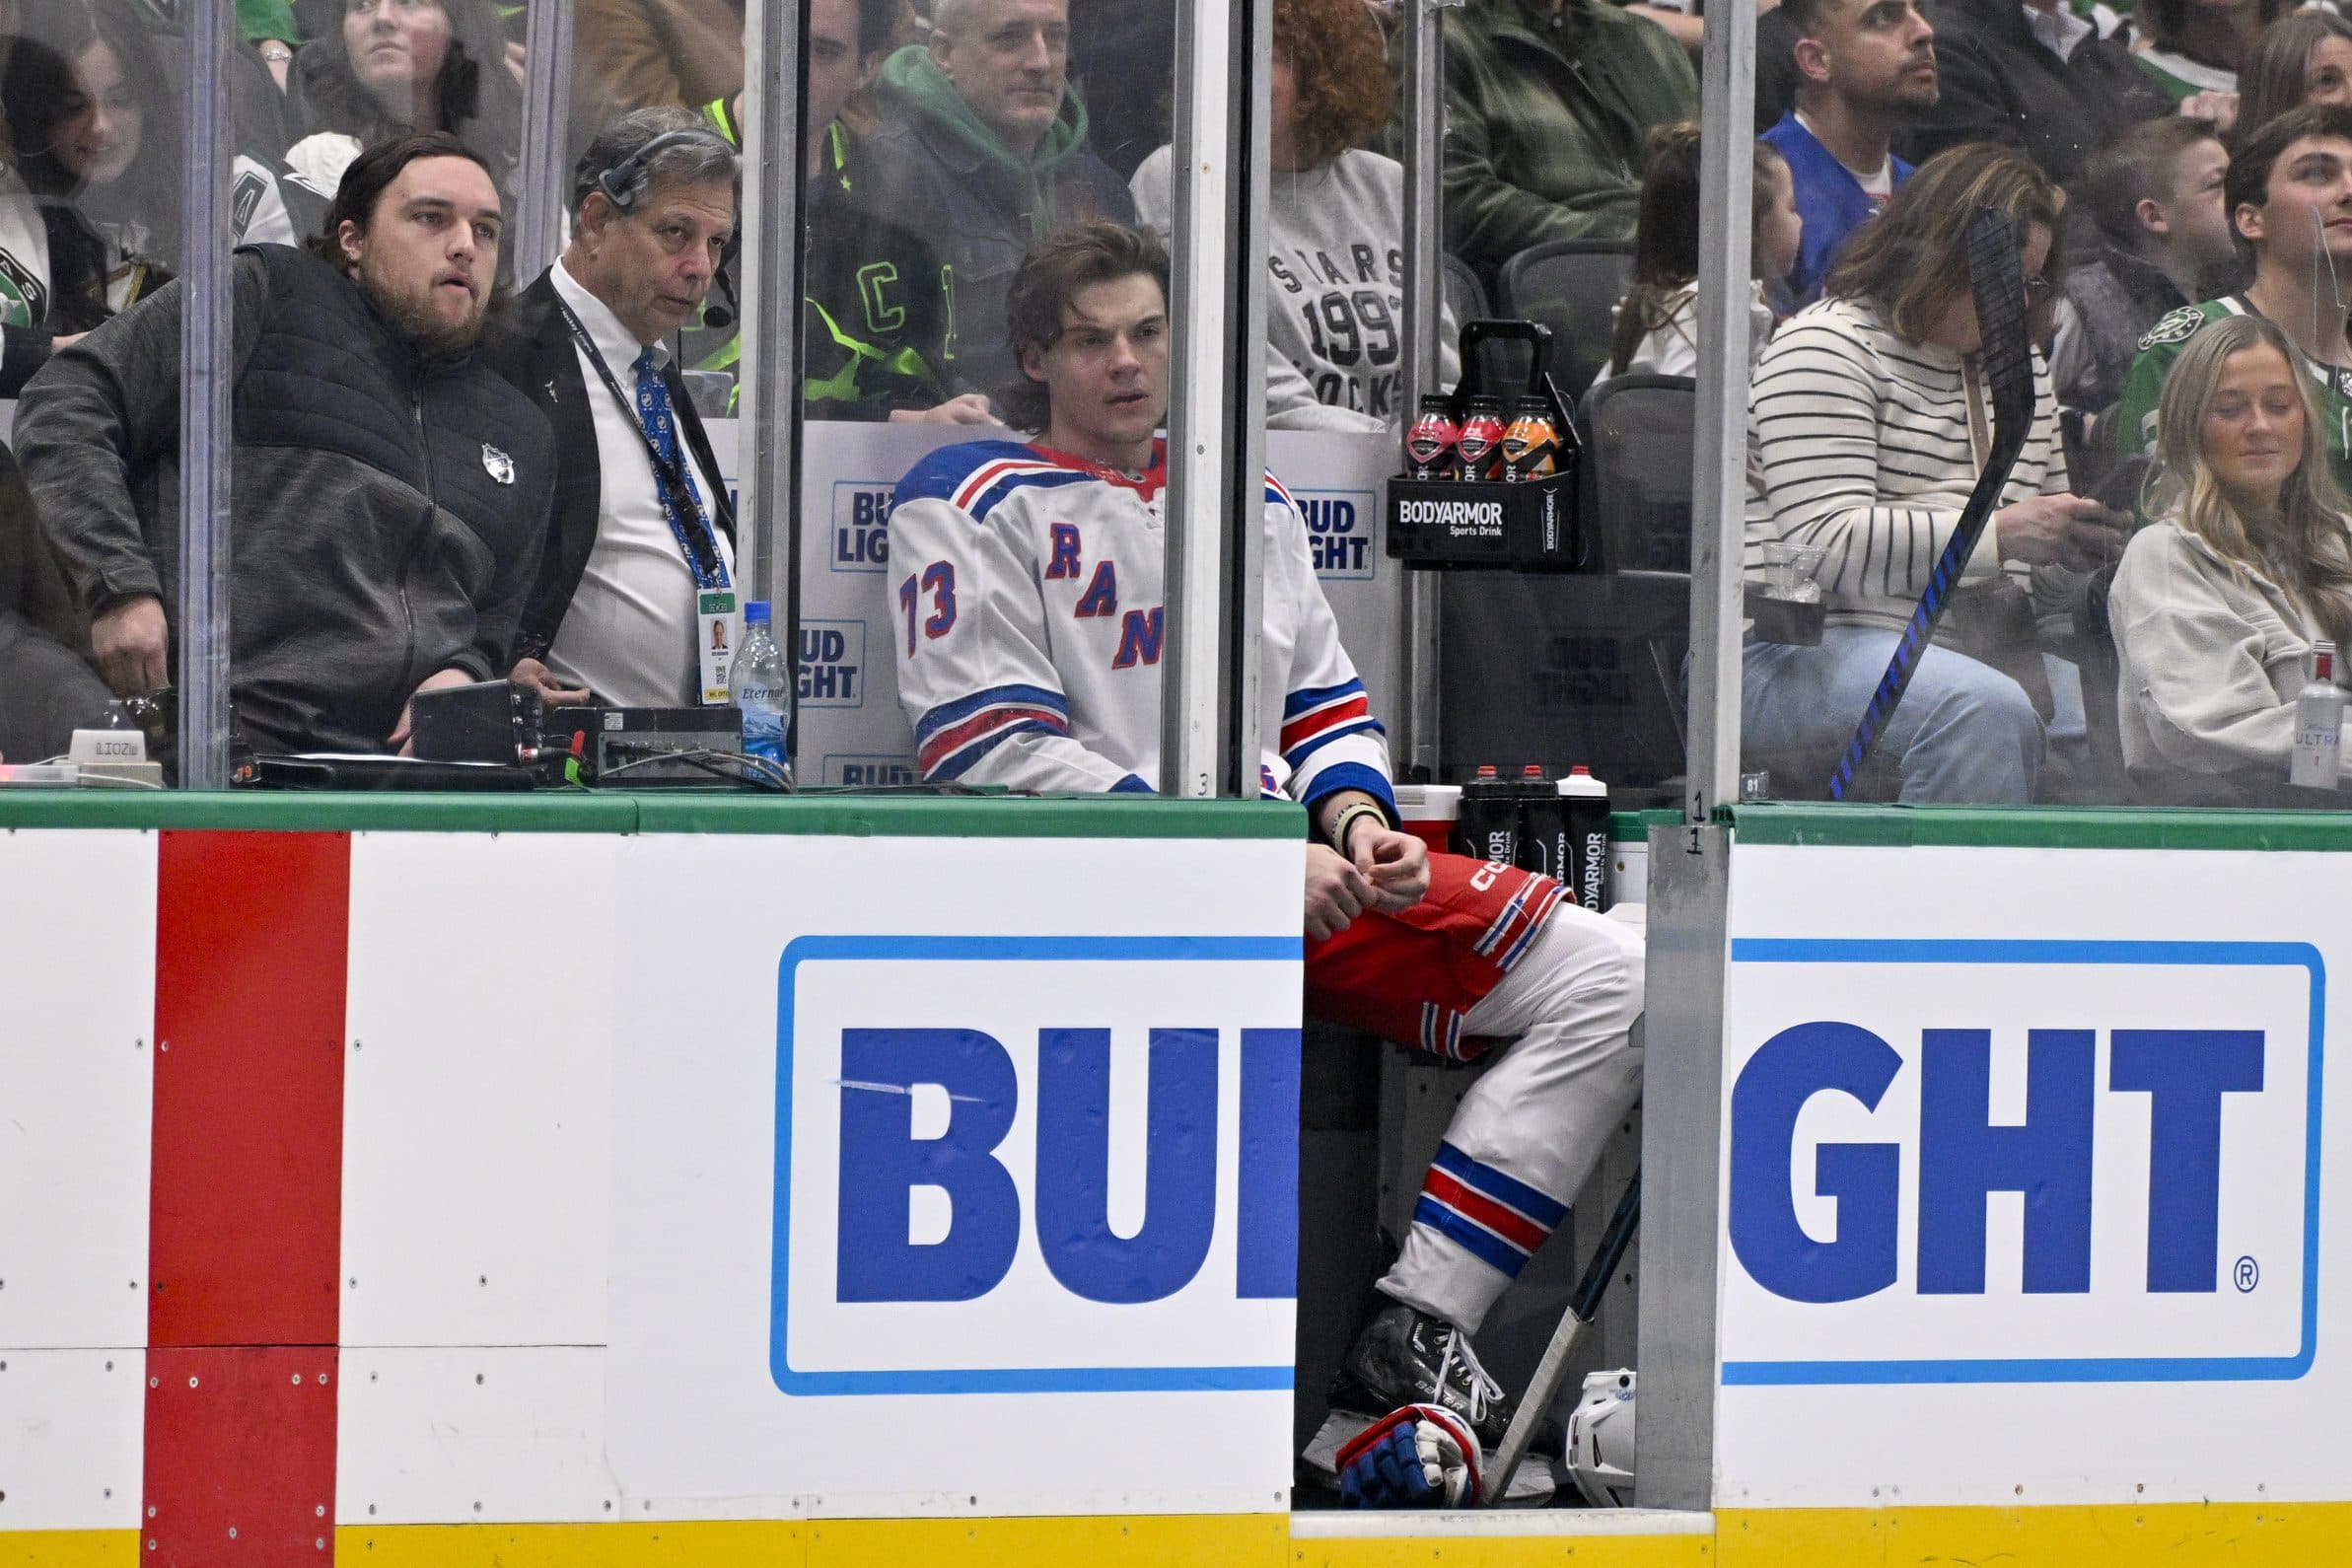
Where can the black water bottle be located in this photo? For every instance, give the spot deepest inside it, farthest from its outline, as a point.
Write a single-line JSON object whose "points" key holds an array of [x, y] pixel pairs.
{"points": [[1488, 826]]}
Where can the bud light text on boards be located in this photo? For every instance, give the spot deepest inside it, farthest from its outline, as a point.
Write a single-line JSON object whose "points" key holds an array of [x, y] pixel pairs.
{"points": [[1090, 1185], [830, 669], [869, 770], [2020, 1161], [861, 525], [1339, 533]]}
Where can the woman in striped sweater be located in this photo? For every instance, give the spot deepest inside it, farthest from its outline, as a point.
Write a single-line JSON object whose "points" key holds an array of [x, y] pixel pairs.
{"points": [[1869, 413]]}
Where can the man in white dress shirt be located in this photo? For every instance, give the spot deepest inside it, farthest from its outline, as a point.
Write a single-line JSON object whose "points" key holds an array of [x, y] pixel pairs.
{"points": [[639, 563]]}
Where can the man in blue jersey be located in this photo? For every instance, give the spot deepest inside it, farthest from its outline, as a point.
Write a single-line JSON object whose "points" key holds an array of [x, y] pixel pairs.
{"points": [[1864, 68]]}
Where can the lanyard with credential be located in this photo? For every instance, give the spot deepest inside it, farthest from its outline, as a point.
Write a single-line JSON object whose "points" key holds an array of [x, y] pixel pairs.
{"points": [[700, 544]]}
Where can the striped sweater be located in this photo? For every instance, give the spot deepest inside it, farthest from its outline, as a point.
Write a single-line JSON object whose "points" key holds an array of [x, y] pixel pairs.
{"points": [[1859, 443]]}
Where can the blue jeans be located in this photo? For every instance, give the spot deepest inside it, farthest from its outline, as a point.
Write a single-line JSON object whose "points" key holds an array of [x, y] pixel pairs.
{"points": [[1964, 734]]}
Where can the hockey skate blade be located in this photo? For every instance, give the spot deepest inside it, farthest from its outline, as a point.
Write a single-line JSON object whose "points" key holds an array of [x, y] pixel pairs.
{"points": [[1537, 1478]]}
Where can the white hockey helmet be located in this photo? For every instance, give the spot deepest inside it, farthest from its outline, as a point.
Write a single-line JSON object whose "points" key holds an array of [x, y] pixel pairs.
{"points": [[1600, 1440]]}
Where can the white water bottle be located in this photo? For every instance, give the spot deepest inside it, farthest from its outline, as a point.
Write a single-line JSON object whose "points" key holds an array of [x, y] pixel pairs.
{"points": [[761, 685], [2319, 725]]}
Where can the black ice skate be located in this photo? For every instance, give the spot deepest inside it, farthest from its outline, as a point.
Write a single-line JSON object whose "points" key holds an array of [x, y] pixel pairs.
{"points": [[1404, 1357]]}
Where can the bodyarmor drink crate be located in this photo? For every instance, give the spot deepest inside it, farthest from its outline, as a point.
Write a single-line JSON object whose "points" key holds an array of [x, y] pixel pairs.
{"points": [[1462, 518]]}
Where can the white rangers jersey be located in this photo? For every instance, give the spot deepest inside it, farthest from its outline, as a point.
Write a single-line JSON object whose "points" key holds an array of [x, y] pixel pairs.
{"points": [[1025, 585]]}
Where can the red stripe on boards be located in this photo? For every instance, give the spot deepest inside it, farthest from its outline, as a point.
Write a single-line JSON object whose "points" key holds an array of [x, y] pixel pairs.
{"points": [[245, 1206]]}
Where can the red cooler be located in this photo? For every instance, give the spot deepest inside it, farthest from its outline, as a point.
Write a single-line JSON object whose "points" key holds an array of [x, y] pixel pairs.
{"points": [[1429, 812]]}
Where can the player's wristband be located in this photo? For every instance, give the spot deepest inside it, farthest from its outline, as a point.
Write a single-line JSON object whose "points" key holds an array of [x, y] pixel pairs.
{"points": [[1347, 819]]}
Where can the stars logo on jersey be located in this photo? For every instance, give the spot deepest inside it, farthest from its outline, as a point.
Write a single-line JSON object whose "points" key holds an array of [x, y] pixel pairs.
{"points": [[24, 297], [2174, 328]]}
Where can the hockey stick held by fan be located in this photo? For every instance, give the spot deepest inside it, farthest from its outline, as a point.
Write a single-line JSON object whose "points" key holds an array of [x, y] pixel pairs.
{"points": [[2052, 530]]}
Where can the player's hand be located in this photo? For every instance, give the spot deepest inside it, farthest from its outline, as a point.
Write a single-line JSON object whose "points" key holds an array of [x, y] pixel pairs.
{"points": [[1336, 892], [2219, 107], [1421, 1456], [542, 680], [129, 641], [972, 408], [401, 741], [1396, 864], [2071, 530]]}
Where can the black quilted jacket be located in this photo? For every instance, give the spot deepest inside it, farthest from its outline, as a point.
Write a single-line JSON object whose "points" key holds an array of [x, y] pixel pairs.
{"points": [[387, 509]]}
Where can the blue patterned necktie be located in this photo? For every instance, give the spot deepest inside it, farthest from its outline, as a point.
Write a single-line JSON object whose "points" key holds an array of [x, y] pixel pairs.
{"points": [[660, 428]]}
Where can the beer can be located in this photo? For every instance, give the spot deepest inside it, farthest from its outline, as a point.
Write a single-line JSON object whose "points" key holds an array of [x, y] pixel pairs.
{"points": [[1429, 445], [1531, 446], [1477, 446], [1487, 827]]}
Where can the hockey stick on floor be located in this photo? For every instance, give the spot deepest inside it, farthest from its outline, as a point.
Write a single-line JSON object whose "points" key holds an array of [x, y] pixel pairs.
{"points": [[1582, 1305], [1996, 279]]}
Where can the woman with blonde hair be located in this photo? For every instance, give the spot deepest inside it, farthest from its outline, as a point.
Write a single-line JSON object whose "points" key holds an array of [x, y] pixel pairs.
{"points": [[2218, 603]]}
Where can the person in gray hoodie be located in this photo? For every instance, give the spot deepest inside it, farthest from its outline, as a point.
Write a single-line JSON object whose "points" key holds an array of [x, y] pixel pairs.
{"points": [[984, 152]]}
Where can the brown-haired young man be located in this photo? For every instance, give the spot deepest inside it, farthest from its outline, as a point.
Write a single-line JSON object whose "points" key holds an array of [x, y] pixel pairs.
{"points": [[2289, 192], [390, 491], [1025, 587]]}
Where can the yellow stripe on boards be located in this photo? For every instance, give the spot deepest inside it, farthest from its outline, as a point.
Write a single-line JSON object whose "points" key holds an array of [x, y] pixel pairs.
{"points": [[719, 1544], [1147, 1540], [69, 1549], [1504, 1552], [1252, 1541], [2118, 1536]]}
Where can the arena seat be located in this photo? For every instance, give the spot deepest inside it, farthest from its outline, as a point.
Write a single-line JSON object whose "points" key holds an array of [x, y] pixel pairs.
{"points": [[1571, 286], [1466, 296]]}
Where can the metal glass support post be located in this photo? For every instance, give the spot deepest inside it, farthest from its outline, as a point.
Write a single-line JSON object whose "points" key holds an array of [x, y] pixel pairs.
{"points": [[1424, 271], [1209, 715], [1690, 865], [1718, 487], [767, 554], [205, 362], [544, 178]]}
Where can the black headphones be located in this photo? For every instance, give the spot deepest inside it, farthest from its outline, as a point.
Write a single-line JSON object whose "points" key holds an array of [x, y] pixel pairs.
{"points": [[614, 182]]}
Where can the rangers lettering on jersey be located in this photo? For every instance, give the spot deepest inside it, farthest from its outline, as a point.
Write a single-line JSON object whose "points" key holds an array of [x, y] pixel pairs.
{"points": [[1044, 676]]}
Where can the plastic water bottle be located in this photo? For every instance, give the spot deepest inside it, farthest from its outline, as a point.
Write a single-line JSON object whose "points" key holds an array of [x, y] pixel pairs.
{"points": [[2319, 725], [762, 684]]}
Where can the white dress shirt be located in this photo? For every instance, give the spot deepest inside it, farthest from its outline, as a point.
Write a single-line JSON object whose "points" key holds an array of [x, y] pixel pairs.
{"points": [[2058, 30], [630, 632]]}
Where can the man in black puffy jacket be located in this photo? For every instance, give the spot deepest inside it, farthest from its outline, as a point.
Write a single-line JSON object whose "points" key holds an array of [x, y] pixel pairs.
{"points": [[389, 493], [2032, 75]]}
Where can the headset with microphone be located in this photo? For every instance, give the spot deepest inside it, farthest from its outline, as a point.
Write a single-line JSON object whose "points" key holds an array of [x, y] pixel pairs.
{"points": [[616, 183]]}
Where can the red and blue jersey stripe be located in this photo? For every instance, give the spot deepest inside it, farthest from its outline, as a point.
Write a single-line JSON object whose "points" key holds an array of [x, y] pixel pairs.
{"points": [[1497, 1218], [1314, 716], [954, 736]]}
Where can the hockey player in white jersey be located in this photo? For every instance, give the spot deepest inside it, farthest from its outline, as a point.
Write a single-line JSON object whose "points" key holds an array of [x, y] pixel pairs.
{"points": [[1026, 581]]}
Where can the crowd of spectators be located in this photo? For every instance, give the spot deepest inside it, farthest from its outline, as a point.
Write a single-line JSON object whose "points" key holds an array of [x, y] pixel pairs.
{"points": [[2173, 165], [2180, 179]]}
